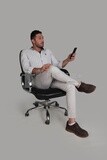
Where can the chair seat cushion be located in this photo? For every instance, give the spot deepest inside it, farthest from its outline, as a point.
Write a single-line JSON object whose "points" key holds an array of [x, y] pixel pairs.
{"points": [[47, 93]]}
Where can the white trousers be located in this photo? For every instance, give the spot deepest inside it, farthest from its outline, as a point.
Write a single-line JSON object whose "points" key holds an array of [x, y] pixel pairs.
{"points": [[55, 78]]}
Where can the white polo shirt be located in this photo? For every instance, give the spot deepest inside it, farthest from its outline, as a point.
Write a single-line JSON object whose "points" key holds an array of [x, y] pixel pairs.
{"points": [[33, 59]]}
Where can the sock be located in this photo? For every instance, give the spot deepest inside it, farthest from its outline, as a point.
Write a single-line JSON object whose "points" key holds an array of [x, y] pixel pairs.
{"points": [[78, 85], [70, 124]]}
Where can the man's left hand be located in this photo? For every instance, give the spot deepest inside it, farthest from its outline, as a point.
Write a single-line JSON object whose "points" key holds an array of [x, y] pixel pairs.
{"points": [[72, 58]]}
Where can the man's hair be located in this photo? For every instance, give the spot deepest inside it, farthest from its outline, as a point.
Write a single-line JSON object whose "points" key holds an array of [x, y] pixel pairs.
{"points": [[34, 33]]}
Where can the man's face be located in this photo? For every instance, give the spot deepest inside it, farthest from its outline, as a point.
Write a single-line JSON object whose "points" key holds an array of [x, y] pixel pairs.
{"points": [[38, 40]]}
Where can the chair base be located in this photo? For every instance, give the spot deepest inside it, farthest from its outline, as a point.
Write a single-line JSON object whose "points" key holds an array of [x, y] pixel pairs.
{"points": [[46, 105]]}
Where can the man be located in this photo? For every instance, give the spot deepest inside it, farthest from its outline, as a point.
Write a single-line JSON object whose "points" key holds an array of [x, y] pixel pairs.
{"points": [[46, 68]]}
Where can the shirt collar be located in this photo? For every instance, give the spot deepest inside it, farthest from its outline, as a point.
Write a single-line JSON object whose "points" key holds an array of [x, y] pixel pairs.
{"points": [[42, 51]]}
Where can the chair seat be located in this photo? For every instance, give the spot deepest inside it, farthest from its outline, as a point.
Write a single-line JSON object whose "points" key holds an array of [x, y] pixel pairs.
{"points": [[47, 93]]}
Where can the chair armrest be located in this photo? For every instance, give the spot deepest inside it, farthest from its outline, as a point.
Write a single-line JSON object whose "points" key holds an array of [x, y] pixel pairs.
{"points": [[65, 71], [26, 80]]}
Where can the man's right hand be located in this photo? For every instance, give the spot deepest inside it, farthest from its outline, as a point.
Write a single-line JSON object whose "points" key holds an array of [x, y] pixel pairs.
{"points": [[45, 67]]}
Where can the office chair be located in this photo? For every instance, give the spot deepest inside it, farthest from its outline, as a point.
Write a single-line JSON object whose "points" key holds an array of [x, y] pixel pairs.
{"points": [[41, 94]]}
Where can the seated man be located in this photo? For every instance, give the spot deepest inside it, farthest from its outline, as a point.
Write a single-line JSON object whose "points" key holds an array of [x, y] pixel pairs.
{"points": [[46, 68]]}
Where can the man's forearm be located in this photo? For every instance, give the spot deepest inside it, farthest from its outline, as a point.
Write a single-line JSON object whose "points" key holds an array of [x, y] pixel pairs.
{"points": [[36, 70], [64, 63]]}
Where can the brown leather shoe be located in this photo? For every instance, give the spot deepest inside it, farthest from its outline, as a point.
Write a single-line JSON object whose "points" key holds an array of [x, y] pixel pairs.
{"points": [[77, 130], [87, 88]]}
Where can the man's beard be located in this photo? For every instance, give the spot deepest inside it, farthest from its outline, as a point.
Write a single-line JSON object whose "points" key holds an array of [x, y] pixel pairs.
{"points": [[41, 47]]}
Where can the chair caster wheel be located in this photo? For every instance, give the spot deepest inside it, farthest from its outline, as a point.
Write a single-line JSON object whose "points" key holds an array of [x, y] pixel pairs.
{"points": [[57, 104], [47, 122], [26, 114], [66, 113]]}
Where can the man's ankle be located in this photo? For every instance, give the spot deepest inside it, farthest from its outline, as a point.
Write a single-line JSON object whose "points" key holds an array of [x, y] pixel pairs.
{"points": [[71, 121], [79, 83]]}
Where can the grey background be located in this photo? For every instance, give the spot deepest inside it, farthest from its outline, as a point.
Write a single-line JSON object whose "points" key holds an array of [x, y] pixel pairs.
{"points": [[65, 24]]}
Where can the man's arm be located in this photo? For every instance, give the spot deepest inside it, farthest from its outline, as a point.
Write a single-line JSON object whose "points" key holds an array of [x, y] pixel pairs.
{"points": [[42, 69], [61, 64], [64, 63], [36, 70], [67, 60]]}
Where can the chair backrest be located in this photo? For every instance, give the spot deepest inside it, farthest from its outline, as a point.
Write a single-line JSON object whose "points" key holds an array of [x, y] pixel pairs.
{"points": [[20, 61], [25, 77]]}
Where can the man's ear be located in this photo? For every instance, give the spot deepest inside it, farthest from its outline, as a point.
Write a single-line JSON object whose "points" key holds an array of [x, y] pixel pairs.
{"points": [[33, 41]]}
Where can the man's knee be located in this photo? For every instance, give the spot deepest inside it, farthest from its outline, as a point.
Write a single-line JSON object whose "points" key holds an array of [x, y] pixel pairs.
{"points": [[70, 86], [52, 67]]}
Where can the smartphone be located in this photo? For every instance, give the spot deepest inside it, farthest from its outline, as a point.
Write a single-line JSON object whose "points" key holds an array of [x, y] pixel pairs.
{"points": [[73, 52]]}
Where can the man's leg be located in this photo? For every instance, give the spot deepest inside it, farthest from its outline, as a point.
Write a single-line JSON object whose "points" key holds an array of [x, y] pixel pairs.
{"points": [[71, 125], [44, 80], [69, 88], [61, 76]]}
